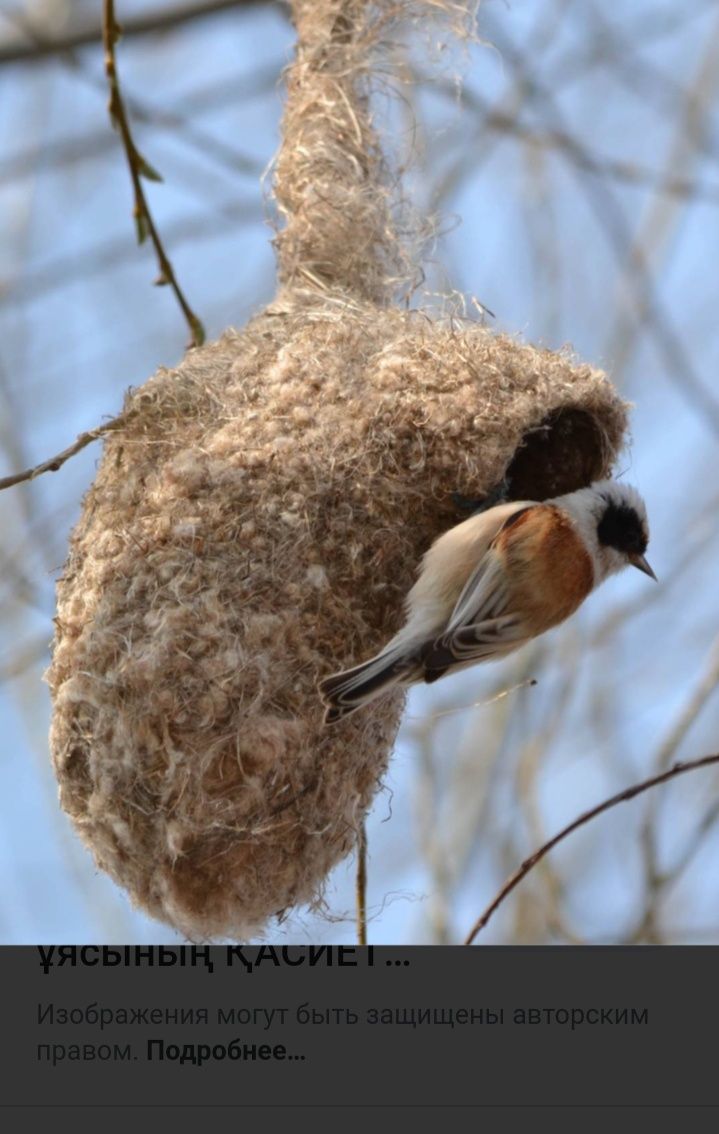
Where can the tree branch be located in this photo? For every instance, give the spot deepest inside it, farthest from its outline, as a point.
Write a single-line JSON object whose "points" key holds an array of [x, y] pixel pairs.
{"points": [[93, 261], [585, 817], [56, 462], [144, 24], [139, 168], [648, 304], [361, 885]]}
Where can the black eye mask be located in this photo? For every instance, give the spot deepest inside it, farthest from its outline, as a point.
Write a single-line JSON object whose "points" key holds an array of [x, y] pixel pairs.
{"points": [[620, 527]]}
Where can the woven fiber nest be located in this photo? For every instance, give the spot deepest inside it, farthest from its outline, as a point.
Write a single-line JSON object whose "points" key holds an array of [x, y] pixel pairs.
{"points": [[255, 524]]}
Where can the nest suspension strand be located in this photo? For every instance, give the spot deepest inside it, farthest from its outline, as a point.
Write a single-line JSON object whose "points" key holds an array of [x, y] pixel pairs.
{"points": [[258, 520]]}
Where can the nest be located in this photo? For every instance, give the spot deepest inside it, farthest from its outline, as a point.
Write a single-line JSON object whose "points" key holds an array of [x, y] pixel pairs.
{"points": [[255, 526]]}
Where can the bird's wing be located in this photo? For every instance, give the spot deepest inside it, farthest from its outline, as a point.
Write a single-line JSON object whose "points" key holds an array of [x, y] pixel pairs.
{"points": [[485, 595], [471, 643], [489, 638], [481, 625]]}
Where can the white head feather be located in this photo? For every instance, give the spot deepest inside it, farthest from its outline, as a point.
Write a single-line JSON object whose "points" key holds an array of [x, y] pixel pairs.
{"points": [[587, 507]]}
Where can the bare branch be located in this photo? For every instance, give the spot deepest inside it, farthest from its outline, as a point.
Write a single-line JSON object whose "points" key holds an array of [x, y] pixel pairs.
{"points": [[56, 462], [681, 187], [181, 120], [149, 22], [691, 710], [610, 214], [92, 261], [24, 658], [585, 817], [655, 878], [656, 227], [691, 848], [361, 887], [140, 168]]}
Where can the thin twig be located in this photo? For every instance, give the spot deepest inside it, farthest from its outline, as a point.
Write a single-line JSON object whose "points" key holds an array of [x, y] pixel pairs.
{"points": [[431, 834], [140, 168], [690, 711], [609, 44], [658, 224], [680, 186], [585, 817], [542, 738], [24, 658], [361, 888], [691, 849], [182, 120], [146, 23], [94, 260], [648, 304], [527, 684], [56, 462], [666, 753]]}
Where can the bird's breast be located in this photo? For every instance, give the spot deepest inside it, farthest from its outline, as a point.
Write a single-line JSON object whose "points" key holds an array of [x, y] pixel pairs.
{"points": [[549, 570]]}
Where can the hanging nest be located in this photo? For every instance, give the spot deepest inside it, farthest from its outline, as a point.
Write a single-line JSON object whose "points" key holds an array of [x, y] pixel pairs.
{"points": [[258, 520]]}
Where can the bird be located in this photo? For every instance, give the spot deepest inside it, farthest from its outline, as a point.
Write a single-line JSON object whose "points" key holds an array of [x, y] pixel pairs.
{"points": [[490, 584]]}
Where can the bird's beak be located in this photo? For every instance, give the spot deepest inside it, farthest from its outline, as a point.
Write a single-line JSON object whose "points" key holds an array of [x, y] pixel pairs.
{"points": [[640, 562]]}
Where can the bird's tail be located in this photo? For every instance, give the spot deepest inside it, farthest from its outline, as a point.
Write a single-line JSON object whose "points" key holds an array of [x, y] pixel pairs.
{"points": [[344, 692]]}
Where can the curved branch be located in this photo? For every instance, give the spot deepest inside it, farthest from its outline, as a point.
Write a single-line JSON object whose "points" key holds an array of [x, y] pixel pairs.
{"points": [[56, 462], [620, 797]]}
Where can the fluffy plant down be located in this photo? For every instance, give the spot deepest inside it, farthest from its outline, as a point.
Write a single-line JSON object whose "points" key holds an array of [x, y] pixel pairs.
{"points": [[256, 523]]}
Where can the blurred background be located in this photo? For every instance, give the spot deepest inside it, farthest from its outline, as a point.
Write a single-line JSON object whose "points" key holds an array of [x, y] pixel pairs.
{"points": [[575, 172]]}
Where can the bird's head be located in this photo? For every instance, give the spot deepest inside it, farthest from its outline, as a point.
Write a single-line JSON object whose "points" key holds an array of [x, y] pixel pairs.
{"points": [[622, 527]]}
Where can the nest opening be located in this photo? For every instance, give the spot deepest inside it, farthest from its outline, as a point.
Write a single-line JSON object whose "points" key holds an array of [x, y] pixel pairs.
{"points": [[565, 452]]}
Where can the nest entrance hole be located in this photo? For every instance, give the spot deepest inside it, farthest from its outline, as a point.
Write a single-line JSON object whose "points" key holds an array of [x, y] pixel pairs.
{"points": [[565, 452]]}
